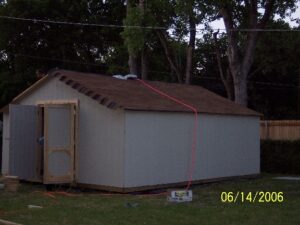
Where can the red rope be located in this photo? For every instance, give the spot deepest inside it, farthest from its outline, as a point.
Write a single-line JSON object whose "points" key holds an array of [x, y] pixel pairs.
{"points": [[194, 141]]}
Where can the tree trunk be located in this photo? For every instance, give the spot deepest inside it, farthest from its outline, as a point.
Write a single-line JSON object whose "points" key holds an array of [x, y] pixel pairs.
{"points": [[226, 78], [240, 88], [298, 88], [132, 61], [229, 84], [144, 62], [241, 55], [144, 70], [190, 50], [234, 58], [240, 68]]}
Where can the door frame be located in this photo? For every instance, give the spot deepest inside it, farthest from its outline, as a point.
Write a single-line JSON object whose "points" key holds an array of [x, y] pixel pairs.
{"points": [[74, 104]]}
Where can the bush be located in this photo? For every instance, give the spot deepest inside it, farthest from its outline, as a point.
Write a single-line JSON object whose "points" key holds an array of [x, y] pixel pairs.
{"points": [[280, 157]]}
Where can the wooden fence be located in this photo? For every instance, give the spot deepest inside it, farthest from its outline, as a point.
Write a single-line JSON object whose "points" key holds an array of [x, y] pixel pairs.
{"points": [[280, 130]]}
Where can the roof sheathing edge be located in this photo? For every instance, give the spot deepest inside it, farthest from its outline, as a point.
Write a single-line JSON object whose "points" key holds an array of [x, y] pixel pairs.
{"points": [[102, 100]]}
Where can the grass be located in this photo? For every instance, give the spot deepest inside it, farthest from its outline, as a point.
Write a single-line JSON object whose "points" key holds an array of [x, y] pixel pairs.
{"points": [[95, 208]]}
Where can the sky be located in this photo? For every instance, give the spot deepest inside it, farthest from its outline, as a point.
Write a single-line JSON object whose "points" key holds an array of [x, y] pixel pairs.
{"points": [[218, 24]]}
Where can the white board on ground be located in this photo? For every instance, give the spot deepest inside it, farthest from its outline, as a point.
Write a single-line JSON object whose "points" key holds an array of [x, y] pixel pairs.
{"points": [[180, 196]]}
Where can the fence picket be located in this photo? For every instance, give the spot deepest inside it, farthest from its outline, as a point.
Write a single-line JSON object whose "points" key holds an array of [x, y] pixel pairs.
{"points": [[280, 130]]}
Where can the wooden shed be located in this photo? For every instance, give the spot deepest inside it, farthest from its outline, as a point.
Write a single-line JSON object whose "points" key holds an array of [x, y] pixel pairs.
{"points": [[102, 132]]}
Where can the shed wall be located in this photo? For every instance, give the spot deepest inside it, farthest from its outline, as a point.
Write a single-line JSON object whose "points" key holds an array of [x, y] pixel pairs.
{"points": [[100, 150], [5, 144], [159, 145]]}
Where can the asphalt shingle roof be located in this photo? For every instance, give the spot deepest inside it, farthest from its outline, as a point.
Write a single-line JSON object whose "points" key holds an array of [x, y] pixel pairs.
{"points": [[133, 95]]}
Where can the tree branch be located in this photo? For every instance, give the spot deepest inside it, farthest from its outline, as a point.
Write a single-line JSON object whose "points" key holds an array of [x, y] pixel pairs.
{"points": [[190, 50], [163, 41], [233, 50], [269, 6], [253, 13], [253, 36], [225, 80], [217, 52]]}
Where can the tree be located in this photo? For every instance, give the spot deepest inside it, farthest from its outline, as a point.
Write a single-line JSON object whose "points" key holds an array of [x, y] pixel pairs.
{"points": [[26, 46], [190, 13], [275, 71], [273, 78], [170, 52], [182, 17], [212, 69], [246, 14], [128, 36], [135, 37], [188, 17]]}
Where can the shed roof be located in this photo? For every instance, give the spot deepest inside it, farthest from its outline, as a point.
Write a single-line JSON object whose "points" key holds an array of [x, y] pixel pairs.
{"points": [[133, 95]]}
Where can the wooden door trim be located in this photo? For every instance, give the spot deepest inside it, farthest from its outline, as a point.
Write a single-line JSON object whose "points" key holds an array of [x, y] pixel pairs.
{"points": [[58, 102], [72, 148]]}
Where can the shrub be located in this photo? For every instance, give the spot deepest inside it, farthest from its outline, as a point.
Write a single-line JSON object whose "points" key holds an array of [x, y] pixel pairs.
{"points": [[280, 157]]}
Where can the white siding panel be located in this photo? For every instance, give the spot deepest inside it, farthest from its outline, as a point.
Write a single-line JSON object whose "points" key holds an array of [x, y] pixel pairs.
{"points": [[5, 144], [100, 153], [158, 147]]}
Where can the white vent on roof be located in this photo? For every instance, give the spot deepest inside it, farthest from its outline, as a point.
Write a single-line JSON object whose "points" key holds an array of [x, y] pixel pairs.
{"points": [[126, 77]]}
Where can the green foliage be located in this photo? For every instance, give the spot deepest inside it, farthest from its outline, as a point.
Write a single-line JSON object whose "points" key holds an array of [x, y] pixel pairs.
{"points": [[280, 157], [276, 61], [133, 34], [273, 78], [27, 46]]}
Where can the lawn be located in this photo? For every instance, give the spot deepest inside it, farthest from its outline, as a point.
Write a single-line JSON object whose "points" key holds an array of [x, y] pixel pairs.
{"points": [[97, 208]]}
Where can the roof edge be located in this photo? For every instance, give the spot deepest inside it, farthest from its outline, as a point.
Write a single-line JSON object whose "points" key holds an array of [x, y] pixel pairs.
{"points": [[255, 114]]}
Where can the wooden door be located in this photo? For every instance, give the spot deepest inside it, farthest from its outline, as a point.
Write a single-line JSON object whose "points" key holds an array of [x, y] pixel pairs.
{"points": [[59, 143]]}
